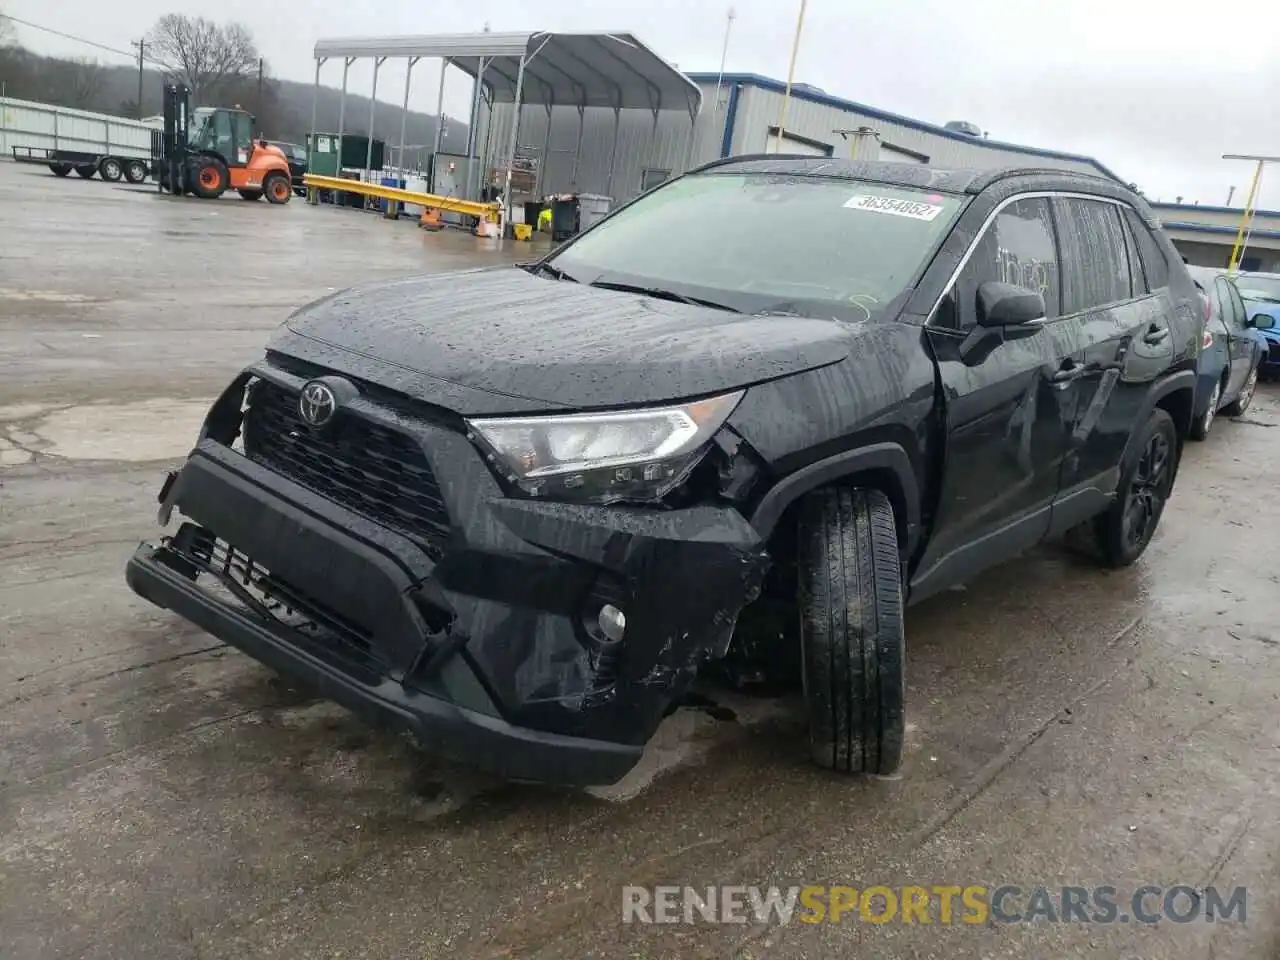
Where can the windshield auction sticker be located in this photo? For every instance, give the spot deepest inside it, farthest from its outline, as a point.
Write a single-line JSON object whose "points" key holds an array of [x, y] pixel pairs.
{"points": [[899, 208]]}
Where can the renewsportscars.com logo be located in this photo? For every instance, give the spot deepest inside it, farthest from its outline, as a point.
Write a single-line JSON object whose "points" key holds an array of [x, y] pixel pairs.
{"points": [[937, 904]]}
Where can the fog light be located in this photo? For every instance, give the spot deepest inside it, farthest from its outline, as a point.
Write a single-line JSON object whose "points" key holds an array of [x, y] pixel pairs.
{"points": [[613, 622]]}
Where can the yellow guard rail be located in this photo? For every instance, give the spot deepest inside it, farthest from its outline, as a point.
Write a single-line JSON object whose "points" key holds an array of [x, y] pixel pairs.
{"points": [[485, 211]]}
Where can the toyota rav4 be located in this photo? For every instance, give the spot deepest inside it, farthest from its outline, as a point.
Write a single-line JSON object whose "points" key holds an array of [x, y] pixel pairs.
{"points": [[516, 510]]}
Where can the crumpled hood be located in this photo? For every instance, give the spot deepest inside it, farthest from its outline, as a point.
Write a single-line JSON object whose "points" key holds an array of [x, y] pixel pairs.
{"points": [[538, 342]]}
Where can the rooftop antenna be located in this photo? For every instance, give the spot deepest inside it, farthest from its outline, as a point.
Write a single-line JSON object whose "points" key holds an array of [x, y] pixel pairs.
{"points": [[724, 54]]}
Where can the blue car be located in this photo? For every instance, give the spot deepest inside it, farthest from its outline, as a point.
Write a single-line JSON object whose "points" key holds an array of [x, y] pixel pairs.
{"points": [[1261, 292], [1231, 351]]}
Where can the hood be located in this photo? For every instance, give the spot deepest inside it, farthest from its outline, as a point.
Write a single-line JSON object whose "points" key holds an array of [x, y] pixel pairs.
{"points": [[541, 343]]}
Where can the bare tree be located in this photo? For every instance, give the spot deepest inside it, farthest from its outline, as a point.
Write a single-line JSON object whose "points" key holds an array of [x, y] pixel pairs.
{"points": [[204, 55], [80, 83]]}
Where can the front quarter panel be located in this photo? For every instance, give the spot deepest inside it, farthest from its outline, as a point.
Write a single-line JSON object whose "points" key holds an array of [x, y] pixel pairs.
{"points": [[883, 392]]}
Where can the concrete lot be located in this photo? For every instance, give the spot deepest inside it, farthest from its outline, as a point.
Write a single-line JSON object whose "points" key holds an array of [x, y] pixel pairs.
{"points": [[164, 796]]}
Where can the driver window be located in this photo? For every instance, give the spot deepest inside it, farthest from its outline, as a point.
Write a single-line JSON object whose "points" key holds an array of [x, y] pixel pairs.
{"points": [[1017, 247], [242, 130], [222, 133]]}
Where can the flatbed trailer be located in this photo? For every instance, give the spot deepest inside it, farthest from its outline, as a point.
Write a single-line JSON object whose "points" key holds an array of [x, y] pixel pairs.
{"points": [[109, 166]]}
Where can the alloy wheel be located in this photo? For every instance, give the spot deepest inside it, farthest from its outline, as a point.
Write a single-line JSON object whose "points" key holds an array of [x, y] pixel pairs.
{"points": [[1147, 491], [1246, 392], [1206, 421]]}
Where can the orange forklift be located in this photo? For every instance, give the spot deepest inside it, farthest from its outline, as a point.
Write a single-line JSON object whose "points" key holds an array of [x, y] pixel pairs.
{"points": [[209, 150]]}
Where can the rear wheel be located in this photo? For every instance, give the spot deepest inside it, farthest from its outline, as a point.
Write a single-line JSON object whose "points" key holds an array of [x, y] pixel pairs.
{"points": [[1240, 404], [86, 170], [1146, 480], [250, 194], [210, 178], [1202, 424], [851, 630], [60, 169], [277, 188], [110, 169], [135, 171]]}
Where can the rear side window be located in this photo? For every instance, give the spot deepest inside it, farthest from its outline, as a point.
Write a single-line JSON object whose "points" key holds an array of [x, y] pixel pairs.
{"points": [[1095, 261], [1233, 309], [1017, 247], [1137, 275], [1154, 264]]}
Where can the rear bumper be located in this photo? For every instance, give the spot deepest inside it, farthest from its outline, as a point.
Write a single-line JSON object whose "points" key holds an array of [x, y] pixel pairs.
{"points": [[482, 644]]}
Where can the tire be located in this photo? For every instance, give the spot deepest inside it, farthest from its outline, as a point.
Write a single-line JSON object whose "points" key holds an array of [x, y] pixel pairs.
{"points": [[208, 178], [1146, 480], [86, 170], [1240, 404], [250, 194], [1202, 424], [110, 170], [277, 188], [135, 171], [60, 169], [851, 630]]}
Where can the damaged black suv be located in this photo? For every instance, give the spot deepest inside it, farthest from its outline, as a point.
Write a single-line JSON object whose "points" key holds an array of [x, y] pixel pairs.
{"points": [[516, 510]]}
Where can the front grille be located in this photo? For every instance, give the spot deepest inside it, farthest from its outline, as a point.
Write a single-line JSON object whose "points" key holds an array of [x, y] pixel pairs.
{"points": [[253, 587], [378, 472]]}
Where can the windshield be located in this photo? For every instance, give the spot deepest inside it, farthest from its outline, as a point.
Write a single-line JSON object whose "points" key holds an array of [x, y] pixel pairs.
{"points": [[1263, 289], [769, 244], [202, 133]]}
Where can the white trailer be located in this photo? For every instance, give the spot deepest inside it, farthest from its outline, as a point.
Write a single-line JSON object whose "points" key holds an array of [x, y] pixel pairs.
{"points": [[64, 140]]}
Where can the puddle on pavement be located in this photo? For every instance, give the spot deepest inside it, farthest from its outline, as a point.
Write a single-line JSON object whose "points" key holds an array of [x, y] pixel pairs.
{"points": [[156, 429], [43, 296]]}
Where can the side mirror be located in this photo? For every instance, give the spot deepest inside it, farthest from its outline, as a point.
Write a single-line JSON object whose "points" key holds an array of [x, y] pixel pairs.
{"points": [[1262, 321], [1008, 305]]}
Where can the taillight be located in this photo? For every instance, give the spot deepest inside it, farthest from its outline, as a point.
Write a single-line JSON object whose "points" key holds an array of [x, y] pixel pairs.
{"points": [[1207, 342]]}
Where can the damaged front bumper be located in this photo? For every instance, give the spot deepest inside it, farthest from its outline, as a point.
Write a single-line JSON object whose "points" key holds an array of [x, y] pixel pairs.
{"points": [[478, 631]]}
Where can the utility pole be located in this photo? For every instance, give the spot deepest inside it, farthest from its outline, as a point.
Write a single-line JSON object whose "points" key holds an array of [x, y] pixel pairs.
{"points": [[1246, 219], [142, 49], [259, 106], [791, 73], [724, 53]]}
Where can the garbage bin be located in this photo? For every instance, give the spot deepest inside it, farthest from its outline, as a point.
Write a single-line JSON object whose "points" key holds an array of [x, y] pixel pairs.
{"points": [[564, 218], [591, 209]]}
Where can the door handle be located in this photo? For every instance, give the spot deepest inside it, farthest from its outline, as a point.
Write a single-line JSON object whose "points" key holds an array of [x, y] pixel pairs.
{"points": [[1156, 336]]}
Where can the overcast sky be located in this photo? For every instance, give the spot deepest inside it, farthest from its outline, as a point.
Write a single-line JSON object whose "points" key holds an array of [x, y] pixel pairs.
{"points": [[1155, 90]]}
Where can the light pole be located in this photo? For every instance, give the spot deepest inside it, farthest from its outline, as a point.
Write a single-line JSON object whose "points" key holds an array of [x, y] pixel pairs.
{"points": [[791, 74], [724, 53], [1246, 219]]}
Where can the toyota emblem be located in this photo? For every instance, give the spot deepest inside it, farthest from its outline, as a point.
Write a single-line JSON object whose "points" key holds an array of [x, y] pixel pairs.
{"points": [[317, 404]]}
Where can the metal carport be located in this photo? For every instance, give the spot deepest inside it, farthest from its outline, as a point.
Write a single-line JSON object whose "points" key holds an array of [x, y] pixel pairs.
{"points": [[611, 70]]}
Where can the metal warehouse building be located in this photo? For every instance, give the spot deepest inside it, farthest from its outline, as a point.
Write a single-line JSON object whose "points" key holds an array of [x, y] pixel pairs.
{"points": [[742, 118], [1205, 235]]}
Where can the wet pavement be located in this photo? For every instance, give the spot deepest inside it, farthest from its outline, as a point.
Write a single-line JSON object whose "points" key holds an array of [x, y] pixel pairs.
{"points": [[162, 795]]}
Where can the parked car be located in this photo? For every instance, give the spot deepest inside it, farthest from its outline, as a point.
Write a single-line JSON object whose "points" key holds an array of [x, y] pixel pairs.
{"points": [[1231, 351], [521, 533], [296, 154], [1261, 292]]}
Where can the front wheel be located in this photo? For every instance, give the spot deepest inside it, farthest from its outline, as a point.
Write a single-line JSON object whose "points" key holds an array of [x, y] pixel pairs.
{"points": [[60, 169], [86, 171], [210, 178], [110, 169], [851, 630], [277, 188], [1146, 480], [1240, 404]]}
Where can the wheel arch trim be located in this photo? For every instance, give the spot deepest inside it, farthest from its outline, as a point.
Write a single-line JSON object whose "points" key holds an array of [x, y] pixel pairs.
{"points": [[882, 458]]}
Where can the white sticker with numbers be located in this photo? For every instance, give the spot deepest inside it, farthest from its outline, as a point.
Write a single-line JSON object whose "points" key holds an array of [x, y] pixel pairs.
{"points": [[899, 208]]}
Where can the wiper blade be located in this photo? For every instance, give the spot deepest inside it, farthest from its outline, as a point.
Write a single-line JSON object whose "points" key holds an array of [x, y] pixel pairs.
{"points": [[661, 294], [552, 271]]}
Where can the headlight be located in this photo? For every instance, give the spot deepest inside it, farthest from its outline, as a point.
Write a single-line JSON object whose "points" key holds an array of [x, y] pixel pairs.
{"points": [[604, 457]]}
